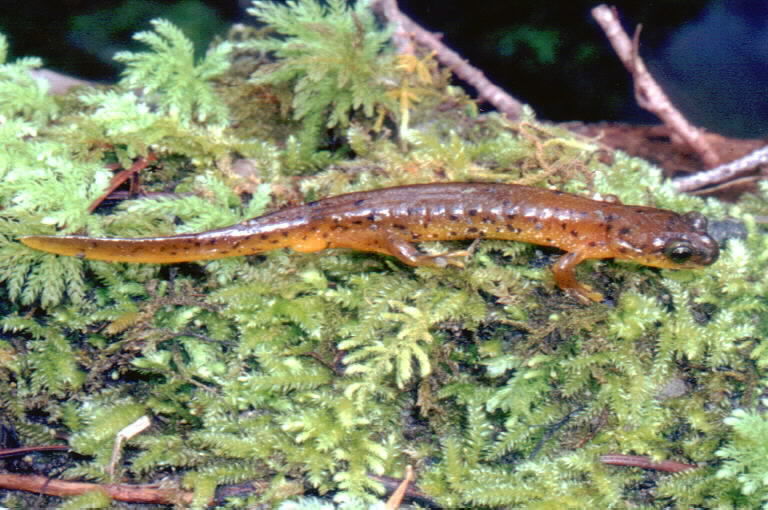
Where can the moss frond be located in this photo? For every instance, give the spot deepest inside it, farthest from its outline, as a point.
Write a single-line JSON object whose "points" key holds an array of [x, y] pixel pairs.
{"points": [[170, 76], [314, 371]]}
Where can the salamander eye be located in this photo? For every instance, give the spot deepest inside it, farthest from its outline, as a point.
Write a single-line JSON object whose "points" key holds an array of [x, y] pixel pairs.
{"points": [[678, 251]]}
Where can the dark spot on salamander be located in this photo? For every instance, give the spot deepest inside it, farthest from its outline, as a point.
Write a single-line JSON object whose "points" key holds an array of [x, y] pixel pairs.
{"points": [[399, 226], [511, 216], [371, 217], [360, 202], [548, 239], [453, 233], [94, 244], [574, 233], [622, 250], [513, 229], [608, 228], [472, 230], [624, 231], [273, 241], [304, 237], [487, 219], [197, 244], [211, 242], [324, 236], [453, 217], [413, 211], [506, 203], [414, 235], [472, 212], [563, 226], [285, 233], [174, 252], [357, 222], [263, 237], [592, 244]]}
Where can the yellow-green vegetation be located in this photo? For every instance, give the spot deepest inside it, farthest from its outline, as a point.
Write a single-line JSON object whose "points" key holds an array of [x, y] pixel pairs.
{"points": [[310, 372]]}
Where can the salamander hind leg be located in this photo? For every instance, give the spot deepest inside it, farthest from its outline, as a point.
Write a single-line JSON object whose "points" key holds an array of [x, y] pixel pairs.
{"points": [[565, 278], [407, 253]]}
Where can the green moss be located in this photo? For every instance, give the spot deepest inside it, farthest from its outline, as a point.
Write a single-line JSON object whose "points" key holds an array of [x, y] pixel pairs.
{"points": [[317, 370]]}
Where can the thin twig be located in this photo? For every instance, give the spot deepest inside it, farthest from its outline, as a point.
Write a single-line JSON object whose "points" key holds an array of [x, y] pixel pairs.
{"points": [[24, 450], [648, 93], [641, 461], [128, 432], [396, 499], [723, 172], [122, 176], [118, 492], [412, 492], [506, 104]]}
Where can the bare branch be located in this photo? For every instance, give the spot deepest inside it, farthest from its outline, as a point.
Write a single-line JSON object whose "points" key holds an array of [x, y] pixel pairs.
{"points": [[506, 104], [118, 492], [641, 461], [723, 172], [648, 93]]}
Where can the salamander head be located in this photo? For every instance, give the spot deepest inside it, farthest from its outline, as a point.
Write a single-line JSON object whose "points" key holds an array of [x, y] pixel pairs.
{"points": [[668, 240]]}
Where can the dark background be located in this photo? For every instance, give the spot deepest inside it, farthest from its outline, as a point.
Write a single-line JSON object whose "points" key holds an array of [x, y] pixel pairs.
{"points": [[710, 55]]}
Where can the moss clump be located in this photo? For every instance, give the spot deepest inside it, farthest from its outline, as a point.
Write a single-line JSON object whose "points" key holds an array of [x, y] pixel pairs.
{"points": [[312, 372]]}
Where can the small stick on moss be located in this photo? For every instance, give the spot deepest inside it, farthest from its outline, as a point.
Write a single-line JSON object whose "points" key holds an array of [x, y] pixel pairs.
{"points": [[118, 492], [122, 176], [128, 432], [412, 493], [406, 29], [724, 172], [648, 94], [396, 499], [15, 452], [641, 461]]}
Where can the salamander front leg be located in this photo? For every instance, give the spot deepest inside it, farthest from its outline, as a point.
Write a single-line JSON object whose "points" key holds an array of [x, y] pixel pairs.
{"points": [[565, 278], [408, 254]]}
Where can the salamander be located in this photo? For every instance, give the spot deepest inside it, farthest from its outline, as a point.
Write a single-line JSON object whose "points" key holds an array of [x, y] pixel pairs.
{"points": [[391, 220]]}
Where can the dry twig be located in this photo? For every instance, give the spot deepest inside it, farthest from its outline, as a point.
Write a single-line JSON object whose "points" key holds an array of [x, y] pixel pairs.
{"points": [[118, 492], [406, 29], [128, 432], [24, 450], [648, 93], [122, 176], [396, 499], [641, 461], [724, 172]]}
